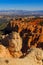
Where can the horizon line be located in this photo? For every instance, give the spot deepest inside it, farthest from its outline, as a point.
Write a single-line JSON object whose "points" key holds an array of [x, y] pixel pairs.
{"points": [[22, 9]]}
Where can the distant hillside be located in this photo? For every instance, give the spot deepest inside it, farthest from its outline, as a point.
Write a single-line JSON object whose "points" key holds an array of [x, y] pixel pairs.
{"points": [[20, 12]]}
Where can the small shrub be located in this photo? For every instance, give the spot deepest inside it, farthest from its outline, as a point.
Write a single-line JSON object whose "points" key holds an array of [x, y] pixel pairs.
{"points": [[41, 23]]}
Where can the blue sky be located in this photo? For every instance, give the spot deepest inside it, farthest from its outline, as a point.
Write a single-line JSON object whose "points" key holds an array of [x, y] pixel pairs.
{"points": [[21, 4]]}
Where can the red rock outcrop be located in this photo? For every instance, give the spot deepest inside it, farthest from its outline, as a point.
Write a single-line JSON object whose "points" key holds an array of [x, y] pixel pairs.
{"points": [[30, 32]]}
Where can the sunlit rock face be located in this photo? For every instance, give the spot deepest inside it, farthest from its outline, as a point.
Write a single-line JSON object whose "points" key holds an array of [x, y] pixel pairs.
{"points": [[34, 57], [15, 43], [4, 52]]}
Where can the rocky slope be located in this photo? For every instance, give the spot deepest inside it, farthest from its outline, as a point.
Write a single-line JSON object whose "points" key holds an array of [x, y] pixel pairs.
{"points": [[33, 58], [22, 43]]}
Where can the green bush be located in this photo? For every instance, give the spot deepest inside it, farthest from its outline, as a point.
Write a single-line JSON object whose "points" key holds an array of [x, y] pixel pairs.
{"points": [[41, 23]]}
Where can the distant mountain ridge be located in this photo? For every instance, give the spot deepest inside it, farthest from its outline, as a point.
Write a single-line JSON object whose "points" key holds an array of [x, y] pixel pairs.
{"points": [[20, 12]]}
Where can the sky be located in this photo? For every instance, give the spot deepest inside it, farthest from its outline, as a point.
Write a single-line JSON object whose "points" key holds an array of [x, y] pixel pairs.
{"points": [[21, 4]]}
